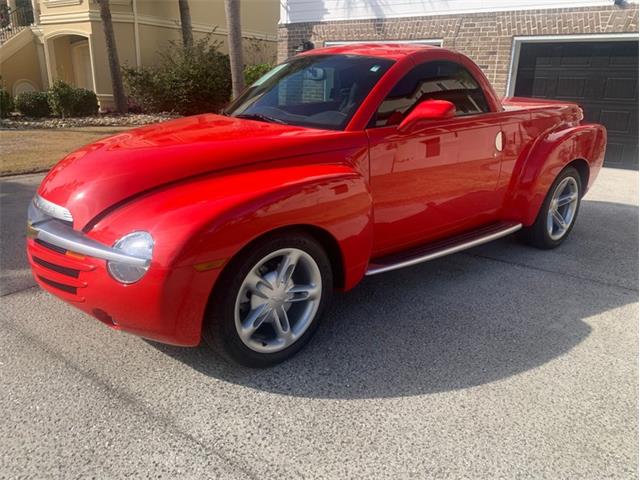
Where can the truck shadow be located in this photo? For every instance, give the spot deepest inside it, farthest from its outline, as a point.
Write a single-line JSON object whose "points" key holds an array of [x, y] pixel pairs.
{"points": [[498, 310]]}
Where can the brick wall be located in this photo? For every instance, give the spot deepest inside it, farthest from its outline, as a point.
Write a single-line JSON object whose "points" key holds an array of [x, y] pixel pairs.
{"points": [[485, 37]]}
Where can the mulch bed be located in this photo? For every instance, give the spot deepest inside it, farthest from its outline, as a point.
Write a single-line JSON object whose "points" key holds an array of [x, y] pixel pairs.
{"points": [[17, 122]]}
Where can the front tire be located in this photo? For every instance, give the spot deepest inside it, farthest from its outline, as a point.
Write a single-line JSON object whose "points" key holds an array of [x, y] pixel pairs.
{"points": [[558, 212], [269, 300]]}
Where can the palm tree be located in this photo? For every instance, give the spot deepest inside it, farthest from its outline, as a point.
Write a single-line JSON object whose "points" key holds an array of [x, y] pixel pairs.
{"points": [[185, 22], [232, 9], [112, 54]]}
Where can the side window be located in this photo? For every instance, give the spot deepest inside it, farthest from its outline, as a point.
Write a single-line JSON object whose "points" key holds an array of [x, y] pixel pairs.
{"points": [[440, 80]]}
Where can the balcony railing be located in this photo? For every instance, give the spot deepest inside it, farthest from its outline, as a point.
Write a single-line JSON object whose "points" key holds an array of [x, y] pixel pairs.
{"points": [[13, 21]]}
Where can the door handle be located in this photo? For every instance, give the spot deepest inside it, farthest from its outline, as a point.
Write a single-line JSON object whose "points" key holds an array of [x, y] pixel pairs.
{"points": [[499, 141]]}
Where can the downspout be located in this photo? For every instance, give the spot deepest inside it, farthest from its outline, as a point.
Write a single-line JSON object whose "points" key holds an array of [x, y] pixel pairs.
{"points": [[136, 33], [35, 11]]}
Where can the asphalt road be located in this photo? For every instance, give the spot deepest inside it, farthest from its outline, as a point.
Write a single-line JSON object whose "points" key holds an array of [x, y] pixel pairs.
{"points": [[501, 362]]}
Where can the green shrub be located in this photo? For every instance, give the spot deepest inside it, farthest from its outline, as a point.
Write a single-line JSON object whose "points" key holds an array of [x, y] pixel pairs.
{"points": [[254, 72], [68, 101], [6, 103], [186, 80], [146, 87], [33, 104], [85, 103], [61, 97]]}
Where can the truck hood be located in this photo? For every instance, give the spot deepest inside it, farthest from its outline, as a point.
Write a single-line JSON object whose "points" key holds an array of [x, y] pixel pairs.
{"points": [[110, 171]]}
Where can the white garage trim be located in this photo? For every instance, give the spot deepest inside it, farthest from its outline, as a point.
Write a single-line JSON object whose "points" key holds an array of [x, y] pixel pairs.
{"points": [[311, 11], [518, 41], [429, 41]]}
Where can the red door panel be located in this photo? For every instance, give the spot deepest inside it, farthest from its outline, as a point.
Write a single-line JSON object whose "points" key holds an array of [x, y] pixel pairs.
{"points": [[434, 183]]}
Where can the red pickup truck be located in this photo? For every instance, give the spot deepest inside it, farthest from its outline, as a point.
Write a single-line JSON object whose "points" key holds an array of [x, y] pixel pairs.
{"points": [[339, 163]]}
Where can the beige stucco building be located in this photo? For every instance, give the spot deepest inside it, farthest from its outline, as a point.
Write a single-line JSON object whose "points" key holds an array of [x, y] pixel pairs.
{"points": [[45, 40]]}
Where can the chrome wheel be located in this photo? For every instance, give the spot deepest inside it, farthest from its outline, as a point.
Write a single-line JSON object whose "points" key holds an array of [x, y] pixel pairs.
{"points": [[278, 300], [562, 208]]}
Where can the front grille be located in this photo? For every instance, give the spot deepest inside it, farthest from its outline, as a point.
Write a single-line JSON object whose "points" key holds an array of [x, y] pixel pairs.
{"points": [[55, 248], [59, 286], [70, 272], [58, 272]]}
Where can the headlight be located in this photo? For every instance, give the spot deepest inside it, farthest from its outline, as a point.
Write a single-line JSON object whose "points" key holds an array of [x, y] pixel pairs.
{"points": [[136, 244]]}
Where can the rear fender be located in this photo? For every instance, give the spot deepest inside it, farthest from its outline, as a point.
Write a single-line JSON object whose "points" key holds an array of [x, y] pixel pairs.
{"points": [[539, 167]]}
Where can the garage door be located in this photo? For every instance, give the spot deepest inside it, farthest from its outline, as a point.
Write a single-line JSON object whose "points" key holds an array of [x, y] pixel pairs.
{"points": [[601, 76]]}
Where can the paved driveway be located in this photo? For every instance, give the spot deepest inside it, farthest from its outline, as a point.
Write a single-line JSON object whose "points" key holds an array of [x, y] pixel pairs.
{"points": [[502, 362]]}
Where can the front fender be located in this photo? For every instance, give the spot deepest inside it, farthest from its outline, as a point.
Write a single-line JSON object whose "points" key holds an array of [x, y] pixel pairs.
{"points": [[334, 198], [198, 225], [539, 167]]}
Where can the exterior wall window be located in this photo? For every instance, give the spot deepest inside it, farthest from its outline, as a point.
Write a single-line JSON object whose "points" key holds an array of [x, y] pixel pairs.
{"points": [[440, 80]]}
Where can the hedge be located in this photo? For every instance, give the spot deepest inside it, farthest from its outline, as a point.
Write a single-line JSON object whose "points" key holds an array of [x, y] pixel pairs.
{"points": [[253, 72], [6, 103], [33, 104], [186, 80], [68, 101]]}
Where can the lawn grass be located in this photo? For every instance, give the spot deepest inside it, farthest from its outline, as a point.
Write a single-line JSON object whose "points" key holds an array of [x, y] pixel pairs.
{"points": [[37, 150]]}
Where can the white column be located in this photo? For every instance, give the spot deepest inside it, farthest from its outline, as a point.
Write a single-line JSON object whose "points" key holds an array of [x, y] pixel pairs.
{"points": [[93, 63], [50, 60], [42, 64]]}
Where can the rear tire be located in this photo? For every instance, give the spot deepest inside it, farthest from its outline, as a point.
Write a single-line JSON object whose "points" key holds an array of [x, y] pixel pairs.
{"points": [[263, 310], [558, 212]]}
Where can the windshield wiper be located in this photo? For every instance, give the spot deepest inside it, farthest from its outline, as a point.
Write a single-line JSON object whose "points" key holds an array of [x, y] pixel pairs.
{"points": [[260, 116]]}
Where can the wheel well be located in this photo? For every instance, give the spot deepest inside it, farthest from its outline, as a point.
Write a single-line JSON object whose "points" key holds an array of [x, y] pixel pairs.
{"points": [[582, 166], [324, 238], [330, 245]]}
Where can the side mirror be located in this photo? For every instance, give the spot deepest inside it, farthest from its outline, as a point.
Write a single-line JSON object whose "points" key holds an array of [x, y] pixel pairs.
{"points": [[426, 111]]}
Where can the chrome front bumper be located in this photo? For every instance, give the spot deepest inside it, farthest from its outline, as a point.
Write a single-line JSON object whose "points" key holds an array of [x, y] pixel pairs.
{"points": [[50, 223]]}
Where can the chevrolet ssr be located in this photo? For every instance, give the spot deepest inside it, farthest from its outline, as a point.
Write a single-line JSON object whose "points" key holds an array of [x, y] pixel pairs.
{"points": [[339, 163]]}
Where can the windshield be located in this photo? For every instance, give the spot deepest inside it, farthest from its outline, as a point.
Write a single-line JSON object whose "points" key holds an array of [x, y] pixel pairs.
{"points": [[321, 91]]}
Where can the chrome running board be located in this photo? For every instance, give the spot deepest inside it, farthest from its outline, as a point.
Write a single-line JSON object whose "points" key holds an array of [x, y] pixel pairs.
{"points": [[442, 248]]}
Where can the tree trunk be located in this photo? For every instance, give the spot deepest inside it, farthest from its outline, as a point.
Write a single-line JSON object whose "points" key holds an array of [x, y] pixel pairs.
{"points": [[232, 9], [112, 54], [185, 22]]}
